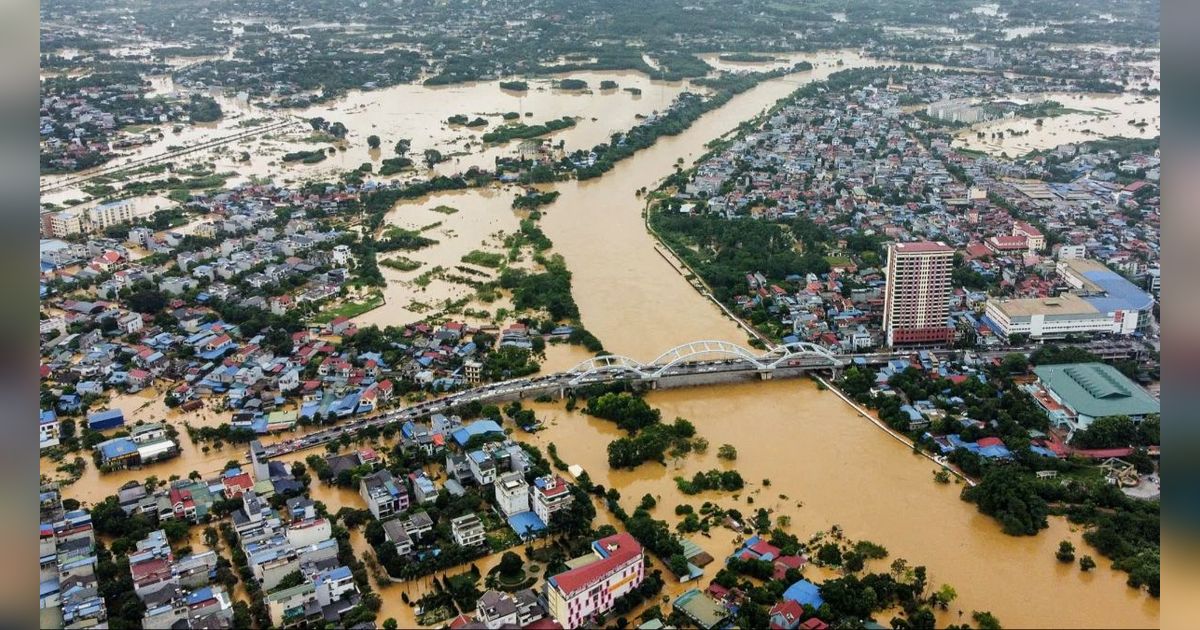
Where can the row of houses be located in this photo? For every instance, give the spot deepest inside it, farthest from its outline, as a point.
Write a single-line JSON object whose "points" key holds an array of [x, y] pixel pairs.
{"points": [[69, 590]]}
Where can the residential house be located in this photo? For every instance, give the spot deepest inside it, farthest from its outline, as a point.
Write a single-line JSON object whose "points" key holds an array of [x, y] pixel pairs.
{"points": [[467, 530], [383, 495]]}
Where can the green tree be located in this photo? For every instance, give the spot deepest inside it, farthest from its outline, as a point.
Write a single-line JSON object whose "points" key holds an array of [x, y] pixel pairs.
{"points": [[1066, 552], [944, 596], [727, 452], [373, 141], [1107, 432], [830, 554], [510, 564], [210, 537], [986, 620], [1086, 563], [1010, 496], [678, 564]]}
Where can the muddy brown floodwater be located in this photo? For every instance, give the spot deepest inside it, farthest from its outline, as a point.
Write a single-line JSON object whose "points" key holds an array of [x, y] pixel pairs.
{"points": [[832, 465], [1093, 117], [816, 450], [826, 466]]}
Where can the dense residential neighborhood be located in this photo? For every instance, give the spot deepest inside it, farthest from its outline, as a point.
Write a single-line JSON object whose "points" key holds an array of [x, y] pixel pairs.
{"points": [[846, 171], [310, 358]]}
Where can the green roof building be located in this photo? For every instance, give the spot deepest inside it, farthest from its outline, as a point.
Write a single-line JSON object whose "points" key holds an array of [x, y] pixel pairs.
{"points": [[702, 610], [1088, 391]]}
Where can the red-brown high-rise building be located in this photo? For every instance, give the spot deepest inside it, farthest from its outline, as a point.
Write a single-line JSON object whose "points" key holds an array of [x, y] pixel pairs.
{"points": [[916, 306]]}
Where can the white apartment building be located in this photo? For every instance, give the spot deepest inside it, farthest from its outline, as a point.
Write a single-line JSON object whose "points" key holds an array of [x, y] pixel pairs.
{"points": [[76, 221], [467, 530], [550, 494], [1068, 252], [1047, 318], [512, 493]]}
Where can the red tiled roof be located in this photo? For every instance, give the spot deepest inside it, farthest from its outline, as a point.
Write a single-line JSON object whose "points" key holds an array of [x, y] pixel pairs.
{"points": [[558, 488], [621, 548], [1009, 242], [717, 591], [791, 611], [238, 483], [923, 246], [1027, 228], [150, 570], [1103, 453], [763, 547], [783, 563]]}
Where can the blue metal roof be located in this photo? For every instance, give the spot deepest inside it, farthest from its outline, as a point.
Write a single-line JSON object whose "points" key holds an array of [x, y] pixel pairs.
{"points": [[119, 447], [480, 427], [1123, 295], [339, 573], [200, 595], [804, 592], [526, 524]]}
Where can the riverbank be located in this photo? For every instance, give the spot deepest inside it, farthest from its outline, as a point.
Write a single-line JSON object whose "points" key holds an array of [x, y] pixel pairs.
{"points": [[899, 437]]}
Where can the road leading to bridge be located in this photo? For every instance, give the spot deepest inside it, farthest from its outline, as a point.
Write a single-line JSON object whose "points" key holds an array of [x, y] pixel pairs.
{"points": [[693, 364]]}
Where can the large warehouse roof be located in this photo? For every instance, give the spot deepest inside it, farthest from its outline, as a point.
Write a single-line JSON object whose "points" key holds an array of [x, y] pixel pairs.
{"points": [[1096, 390]]}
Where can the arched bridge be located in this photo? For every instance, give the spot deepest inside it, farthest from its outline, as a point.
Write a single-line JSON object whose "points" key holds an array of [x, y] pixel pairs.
{"points": [[701, 357], [695, 363]]}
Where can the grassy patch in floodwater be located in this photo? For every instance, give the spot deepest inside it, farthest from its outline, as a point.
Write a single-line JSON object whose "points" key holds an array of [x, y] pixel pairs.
{"points": [[426, 278], [350, 309], [419, 307], [444, 210], [400, 263], [484, 259]]}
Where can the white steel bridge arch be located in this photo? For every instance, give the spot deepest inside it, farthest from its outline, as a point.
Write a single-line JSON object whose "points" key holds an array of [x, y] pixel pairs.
{"points": [[615, 366]]}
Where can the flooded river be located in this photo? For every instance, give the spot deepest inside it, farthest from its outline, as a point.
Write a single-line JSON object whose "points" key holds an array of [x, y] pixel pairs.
{"points": [[826, 464], [629, 296], [813, 447]]}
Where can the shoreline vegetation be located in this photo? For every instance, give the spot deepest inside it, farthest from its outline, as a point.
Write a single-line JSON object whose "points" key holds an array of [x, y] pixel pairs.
{"points": [[747, 58]]}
